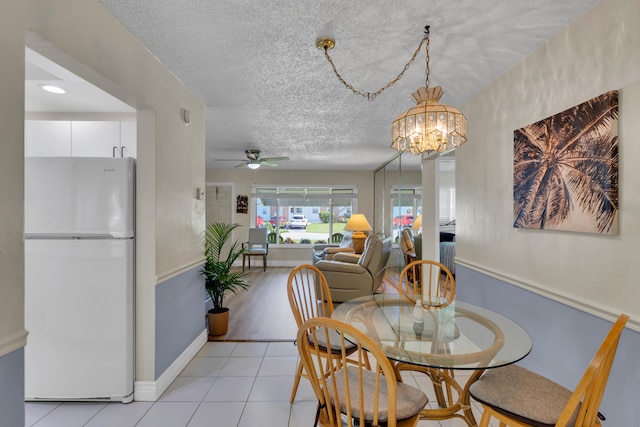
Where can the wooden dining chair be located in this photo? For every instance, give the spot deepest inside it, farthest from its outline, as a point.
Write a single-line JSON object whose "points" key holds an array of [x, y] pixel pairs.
{"points": [[353, 394], [309, 297], [407, 245], [337, 237], [518, 397], [429, 280], [433, 283]]}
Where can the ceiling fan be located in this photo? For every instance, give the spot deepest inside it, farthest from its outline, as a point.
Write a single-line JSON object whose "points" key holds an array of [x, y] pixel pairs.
{"points": [[255, 160]]}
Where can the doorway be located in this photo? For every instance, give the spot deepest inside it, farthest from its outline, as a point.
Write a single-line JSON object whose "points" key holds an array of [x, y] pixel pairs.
{"points": [[219, 203]]}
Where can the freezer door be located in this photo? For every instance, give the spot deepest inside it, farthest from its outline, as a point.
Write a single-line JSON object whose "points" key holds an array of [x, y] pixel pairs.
{"points": [[79, 196], [79, 313]]}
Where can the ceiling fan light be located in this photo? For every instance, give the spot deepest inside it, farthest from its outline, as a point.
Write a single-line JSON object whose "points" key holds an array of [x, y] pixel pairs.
{"points": [[253, 165]]}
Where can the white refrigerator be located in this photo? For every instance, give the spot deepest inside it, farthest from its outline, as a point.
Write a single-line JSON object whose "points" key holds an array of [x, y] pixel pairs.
{"points": [[79, 278]]}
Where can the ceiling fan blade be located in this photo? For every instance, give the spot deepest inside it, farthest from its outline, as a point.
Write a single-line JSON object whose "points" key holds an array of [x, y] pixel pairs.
{"points": [[266, 163], [240, 165], [269, 159]]}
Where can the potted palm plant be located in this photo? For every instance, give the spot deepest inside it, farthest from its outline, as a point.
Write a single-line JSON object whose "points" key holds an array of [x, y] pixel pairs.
{"points": [[219, 279]]}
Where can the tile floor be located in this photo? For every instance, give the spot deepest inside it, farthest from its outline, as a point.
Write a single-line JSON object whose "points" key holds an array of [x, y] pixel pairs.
{"points": [[228, 384]]}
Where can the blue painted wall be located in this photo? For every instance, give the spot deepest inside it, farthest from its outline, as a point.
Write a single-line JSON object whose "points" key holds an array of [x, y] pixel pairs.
{"points": [[180, 316], [564, 341], [12, 389]]}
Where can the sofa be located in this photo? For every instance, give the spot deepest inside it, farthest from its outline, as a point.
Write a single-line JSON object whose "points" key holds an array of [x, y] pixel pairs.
{"points": [[326, 251], [350, 276]]}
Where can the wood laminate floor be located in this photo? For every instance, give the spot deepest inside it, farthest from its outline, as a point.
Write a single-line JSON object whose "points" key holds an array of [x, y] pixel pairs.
{"points": [[262, 312]]}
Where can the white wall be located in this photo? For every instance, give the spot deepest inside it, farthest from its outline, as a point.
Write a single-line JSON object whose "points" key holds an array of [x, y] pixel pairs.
{"points": [[170, 155], [595, 273]]}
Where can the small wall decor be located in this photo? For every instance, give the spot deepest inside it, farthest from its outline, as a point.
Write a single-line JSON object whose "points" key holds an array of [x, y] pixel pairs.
{"points": [[565, 169], [242, 204]]}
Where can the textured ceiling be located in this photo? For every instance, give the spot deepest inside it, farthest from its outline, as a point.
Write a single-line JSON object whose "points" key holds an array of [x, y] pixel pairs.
{"points": [[266, 86]]}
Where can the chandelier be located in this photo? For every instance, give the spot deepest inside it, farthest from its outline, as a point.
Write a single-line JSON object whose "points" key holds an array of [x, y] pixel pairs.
{"points": [[429, 126]]}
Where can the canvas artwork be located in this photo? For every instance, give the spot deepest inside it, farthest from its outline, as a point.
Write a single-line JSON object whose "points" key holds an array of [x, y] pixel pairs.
{"points": [[242, 204], [565, 169]]}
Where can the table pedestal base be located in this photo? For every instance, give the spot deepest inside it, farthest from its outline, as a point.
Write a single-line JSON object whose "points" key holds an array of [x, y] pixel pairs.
{"points": [[447, 389]]}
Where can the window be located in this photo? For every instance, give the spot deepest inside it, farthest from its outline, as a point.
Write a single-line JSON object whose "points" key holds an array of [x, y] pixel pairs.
{"points": [[448, 209], [447, 217], [325, 209], [406, 205]]}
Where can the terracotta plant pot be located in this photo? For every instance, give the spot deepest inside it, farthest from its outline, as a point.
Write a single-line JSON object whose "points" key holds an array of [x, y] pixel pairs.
{"points": [[218, 322]]}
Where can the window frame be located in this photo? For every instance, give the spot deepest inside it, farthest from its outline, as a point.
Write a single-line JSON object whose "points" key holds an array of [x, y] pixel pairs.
{"points": [[306, 194], [403, 196]]}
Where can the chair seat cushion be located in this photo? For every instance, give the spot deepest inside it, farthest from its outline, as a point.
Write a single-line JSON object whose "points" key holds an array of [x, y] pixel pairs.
{"points": [[350, 257], [255, 252], [335, 339], [521, 394], [410, 400]]}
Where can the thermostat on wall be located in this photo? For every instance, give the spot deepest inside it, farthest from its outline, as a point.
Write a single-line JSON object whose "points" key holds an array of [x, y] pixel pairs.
{"points": [[186, 116]]}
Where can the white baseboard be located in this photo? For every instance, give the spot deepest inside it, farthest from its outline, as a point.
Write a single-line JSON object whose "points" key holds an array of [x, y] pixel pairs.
{"points": [[150, 391]]}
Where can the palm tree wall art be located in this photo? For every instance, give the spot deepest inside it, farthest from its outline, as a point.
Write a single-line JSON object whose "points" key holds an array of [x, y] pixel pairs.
{"points": [[565, 169]]}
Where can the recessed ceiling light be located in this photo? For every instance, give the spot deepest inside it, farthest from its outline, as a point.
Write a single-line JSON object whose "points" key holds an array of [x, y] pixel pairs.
{"points": [[53, 89]]}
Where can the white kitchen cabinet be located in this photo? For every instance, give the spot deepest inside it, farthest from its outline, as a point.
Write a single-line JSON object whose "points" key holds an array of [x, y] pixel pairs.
{"points": [[55, 138], [47, 138]]}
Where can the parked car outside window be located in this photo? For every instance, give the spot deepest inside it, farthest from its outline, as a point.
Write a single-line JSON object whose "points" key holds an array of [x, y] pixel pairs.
{"points": [[403, 220], [282, 221], [298, 221]]}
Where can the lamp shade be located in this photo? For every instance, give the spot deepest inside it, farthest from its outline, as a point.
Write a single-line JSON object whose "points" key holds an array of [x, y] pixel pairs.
{"points": [[417, 224], [429, 126], [358, 222]]}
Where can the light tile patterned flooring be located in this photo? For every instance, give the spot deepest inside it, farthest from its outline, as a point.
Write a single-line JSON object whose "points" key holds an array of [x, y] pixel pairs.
{"points": [[228, 384]]}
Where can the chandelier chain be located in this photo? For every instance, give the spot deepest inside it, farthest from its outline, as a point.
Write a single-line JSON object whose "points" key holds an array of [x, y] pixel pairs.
{"points": [[372, 95], [426, 81]]}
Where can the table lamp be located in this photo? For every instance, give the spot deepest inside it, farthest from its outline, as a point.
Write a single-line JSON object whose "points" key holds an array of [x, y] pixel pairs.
{"points": [[417, 224], [358, 223]]}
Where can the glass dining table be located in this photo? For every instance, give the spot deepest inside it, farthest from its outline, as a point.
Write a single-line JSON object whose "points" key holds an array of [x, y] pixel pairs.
{"points": [[437, 341]]}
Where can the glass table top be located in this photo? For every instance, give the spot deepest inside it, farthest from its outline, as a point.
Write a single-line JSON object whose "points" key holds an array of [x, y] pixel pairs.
{"points": [[458, 336]]}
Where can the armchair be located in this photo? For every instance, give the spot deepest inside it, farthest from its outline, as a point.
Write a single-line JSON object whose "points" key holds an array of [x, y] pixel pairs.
{"points": [[351, 276], [257, 245], [326, 251]]}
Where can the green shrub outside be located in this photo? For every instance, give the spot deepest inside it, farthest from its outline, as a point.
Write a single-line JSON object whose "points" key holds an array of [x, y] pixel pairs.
{"points": [[324, 216]]}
